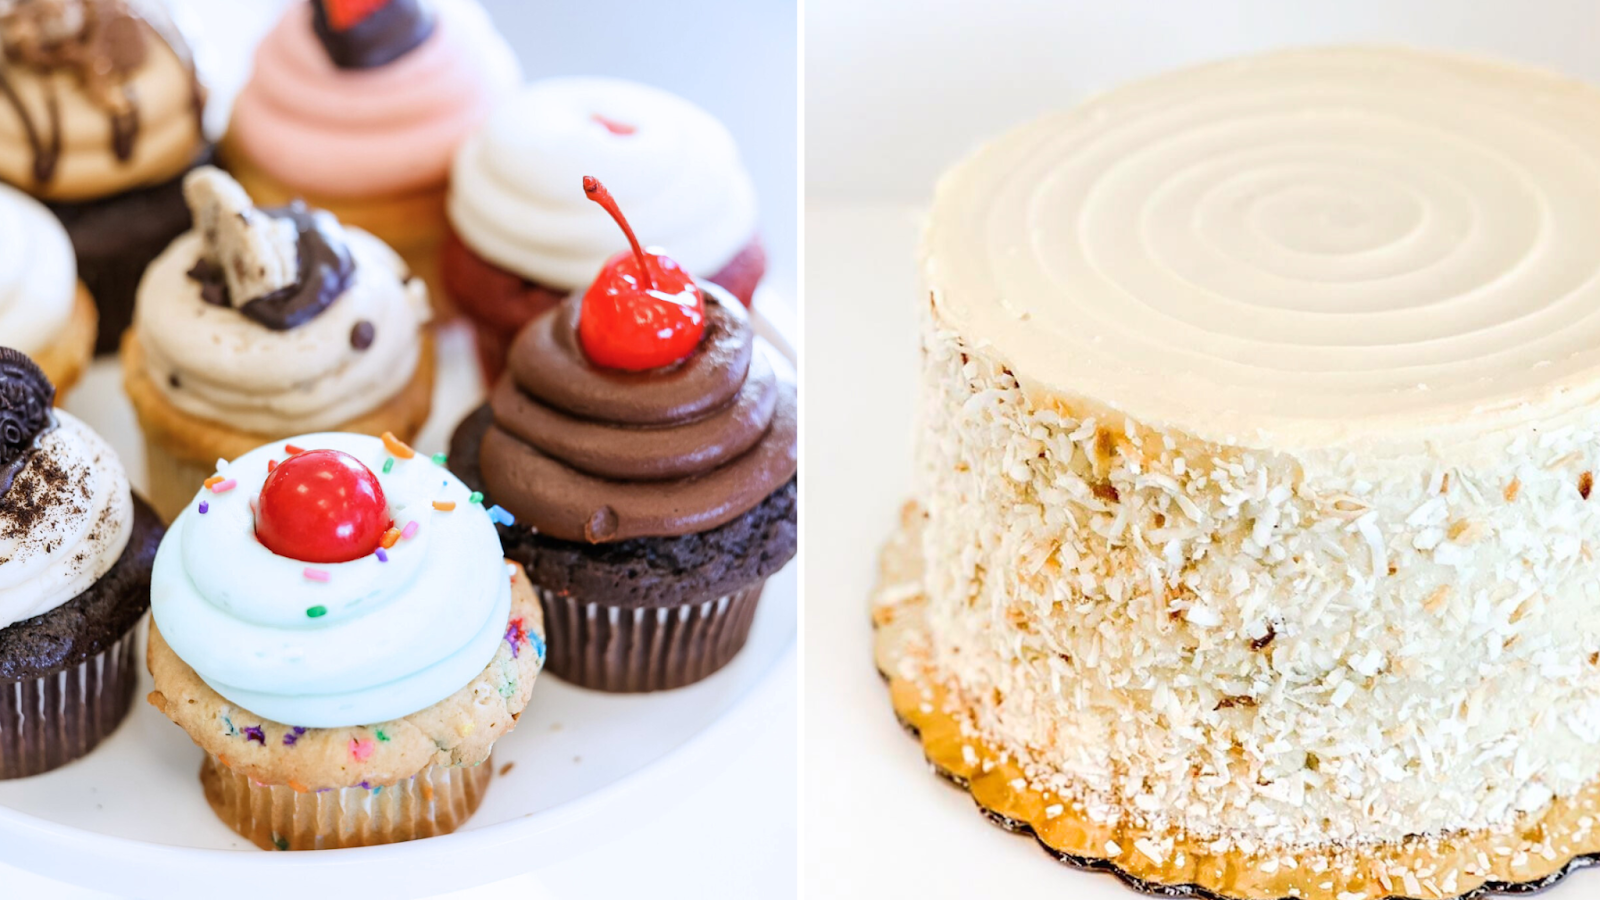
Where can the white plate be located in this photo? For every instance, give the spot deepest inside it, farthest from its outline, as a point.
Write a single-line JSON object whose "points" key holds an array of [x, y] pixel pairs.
{"points": [[878, 822], [580, 762]]}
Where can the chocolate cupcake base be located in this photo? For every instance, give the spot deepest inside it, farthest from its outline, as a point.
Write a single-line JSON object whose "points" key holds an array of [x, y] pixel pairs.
{"points": [[48, 722], [115, 238], [633, 649]]}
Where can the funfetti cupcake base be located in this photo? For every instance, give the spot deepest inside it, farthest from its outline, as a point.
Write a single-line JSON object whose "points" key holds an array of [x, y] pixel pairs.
{"points": [[335, 627]]}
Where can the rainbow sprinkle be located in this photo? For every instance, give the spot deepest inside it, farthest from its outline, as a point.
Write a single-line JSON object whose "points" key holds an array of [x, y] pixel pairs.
{"points": [[410, 531], [383, 555], [223, 487], [292, 736], [516, 636], [292, 449], [254, 733], [317, 574], [361, 749], [271, 464], [439, 459], [396, 446], [389, 538], [381, 736], [388, 465], [497, 513], [444, 505], [316, 612], [204, 507], [475, 497], [215, 479]]}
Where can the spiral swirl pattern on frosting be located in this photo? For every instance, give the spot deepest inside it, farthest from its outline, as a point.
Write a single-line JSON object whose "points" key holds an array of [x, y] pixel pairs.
{"points": [[38, 277], [583, 453], [670, 164], [1301, 247]]}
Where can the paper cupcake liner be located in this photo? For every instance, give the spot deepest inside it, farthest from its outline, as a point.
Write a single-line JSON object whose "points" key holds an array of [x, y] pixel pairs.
{"points": [[1532, 853], [435, 801], [635, 649], [51, 721]]}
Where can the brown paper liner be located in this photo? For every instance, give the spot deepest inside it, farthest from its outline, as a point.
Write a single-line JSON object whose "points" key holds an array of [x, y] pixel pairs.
{"points": [[635, 649], [435, 801], [1526, 856], [48, 722]]}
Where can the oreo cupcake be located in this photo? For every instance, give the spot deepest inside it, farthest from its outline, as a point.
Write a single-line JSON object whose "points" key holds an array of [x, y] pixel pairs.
{"points": [[76, 548], [640, 453], [520, 242], [45, 311], [357, 106], [100, 116], [262, 323], [335, 627]]}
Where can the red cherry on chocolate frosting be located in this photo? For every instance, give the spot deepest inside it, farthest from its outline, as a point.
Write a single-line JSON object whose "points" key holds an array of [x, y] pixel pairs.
{"points": [[321, 506], [643, 311]]}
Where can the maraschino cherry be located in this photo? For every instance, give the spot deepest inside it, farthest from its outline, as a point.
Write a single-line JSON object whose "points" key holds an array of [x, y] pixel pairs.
{"points": [[644, 311], [321, 506]]}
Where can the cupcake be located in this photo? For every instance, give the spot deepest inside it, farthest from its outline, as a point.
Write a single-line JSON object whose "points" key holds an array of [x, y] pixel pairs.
{"points": [[100, 117], [76, 548], [357, 106], [520, 241], [45, 311], [335, 627], [262, 323], [640, 453]]}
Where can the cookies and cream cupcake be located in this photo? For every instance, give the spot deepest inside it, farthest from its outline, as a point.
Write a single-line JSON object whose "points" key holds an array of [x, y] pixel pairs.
{"points": [[335, 626], [100, 116], [45, 311], [521, 241], [358, 107], [76, 548], [265, 323], [640, 451]]}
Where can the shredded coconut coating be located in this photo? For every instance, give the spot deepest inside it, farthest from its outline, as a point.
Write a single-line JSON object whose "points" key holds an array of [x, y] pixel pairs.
{"points": [[1347, 645]]}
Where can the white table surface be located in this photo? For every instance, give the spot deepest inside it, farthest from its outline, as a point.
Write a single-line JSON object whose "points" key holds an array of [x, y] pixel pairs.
{"points": [[736, 837]]}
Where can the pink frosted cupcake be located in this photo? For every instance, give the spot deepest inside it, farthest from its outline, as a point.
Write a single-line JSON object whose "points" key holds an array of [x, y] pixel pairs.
{"points": [[357, 106]]}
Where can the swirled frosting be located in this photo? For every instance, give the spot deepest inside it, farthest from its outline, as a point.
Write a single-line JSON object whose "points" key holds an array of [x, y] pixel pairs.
{"points": [[669, 163], [584, 453], [212, 361], [391, 128], [378, 640], [96, 109], [38, 277], [64, 520], [1299, 249]]}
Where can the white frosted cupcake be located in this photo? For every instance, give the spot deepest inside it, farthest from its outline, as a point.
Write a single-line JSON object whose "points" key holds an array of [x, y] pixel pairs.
{"points": [[334, 625], [522, 235], [45, 311]]}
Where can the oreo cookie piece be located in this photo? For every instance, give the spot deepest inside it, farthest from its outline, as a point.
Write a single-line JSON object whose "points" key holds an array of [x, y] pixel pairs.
{"points": [[26, 398]]}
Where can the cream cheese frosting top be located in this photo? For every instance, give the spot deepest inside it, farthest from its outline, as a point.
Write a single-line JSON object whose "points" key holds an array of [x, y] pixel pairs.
{"points": [[38, 277], [213, 362], [393, 635], [516, 197], [66, 520], [1324, 247]]}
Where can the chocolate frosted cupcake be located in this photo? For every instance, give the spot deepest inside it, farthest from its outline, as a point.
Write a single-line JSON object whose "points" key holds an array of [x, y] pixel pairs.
{"points": [[100, 116], [263, 323], [76, 549], [640, 449]]}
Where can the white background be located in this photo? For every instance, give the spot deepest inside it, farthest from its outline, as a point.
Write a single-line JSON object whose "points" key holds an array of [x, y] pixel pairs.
{"points": [[737, 58], [896, 91]]}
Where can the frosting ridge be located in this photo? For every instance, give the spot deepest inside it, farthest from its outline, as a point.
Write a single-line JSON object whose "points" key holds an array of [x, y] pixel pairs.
{"points": [[38, 275]]}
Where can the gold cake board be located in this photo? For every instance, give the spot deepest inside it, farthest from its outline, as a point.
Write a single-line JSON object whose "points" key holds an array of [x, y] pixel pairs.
{"points": [[1536, 854]]}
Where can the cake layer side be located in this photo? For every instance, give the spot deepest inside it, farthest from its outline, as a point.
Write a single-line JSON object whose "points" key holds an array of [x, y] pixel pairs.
{"points": [[1291, 649]]}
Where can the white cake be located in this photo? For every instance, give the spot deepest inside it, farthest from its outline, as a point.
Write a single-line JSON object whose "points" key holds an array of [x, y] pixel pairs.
{"points": [[1258, 428]]}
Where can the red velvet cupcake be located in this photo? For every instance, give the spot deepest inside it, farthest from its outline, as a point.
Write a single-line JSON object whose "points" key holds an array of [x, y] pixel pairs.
{"points": [[520, 242]]}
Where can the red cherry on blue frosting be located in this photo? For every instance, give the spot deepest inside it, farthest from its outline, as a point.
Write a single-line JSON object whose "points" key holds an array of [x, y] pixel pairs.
{"points": [[321, 506], [643, 311]]}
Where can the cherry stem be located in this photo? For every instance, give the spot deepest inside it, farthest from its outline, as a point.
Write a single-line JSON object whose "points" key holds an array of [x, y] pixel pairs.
{"points": [[594, 190]]}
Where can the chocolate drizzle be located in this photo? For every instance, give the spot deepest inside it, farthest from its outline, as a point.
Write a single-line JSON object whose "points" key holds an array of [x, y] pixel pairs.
{"points": [[102, 43], [325, 271], [388, 33], [26, 397]]}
